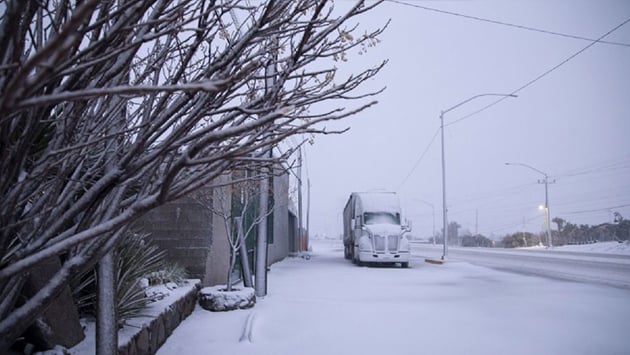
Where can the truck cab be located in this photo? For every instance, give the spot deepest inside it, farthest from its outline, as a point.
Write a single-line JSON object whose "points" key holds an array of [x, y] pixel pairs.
{"points": [[373, 232]]}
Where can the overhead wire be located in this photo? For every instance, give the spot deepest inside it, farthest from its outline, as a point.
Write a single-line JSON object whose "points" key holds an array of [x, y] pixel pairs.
{"points": [[496, 194], [514, 224], [503, 23], [419, 159], [531, 82], [601, 167], [598, 209], [526, 85]]}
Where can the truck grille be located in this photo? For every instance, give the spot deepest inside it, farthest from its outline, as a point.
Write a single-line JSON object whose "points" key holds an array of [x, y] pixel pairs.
{"points": [[389, 242]]}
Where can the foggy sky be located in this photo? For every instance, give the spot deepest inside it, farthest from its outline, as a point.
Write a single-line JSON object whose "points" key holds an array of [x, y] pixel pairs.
{"points": [[572, 124]]}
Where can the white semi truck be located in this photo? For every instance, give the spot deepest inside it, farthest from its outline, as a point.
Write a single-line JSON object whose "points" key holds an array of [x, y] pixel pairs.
{"points": [[372, 229]]}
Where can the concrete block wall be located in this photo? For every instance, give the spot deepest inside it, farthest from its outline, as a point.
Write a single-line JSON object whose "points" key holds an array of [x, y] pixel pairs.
{"points": [[192, 234], [182, 228]]}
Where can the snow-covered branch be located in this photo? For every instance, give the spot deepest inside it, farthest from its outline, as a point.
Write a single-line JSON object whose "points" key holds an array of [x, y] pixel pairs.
{"points": [[111, 108]]}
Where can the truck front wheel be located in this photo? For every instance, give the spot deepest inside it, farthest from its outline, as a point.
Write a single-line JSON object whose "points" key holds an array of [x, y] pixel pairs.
{"points": [[359, 262]]}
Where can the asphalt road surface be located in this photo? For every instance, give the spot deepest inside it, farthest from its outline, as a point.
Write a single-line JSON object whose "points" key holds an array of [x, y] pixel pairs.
{"points": [[599, 268]]}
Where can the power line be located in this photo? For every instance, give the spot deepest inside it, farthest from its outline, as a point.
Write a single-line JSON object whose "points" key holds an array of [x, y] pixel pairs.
{"points": [[614, 165], [419, 159], [495, 193], [496, 22], [512, 225], [531, 82], [598, 209]]}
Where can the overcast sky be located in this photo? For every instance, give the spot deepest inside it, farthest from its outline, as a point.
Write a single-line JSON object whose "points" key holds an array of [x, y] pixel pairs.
{"points": [[573, 124]]}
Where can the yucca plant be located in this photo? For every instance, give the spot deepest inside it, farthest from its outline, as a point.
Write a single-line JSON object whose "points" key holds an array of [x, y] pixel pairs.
{"points": [[137, 259]]}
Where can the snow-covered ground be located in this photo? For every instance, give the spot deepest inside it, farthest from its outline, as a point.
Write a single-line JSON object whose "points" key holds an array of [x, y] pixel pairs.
{"points": [[326, 305], [602, 247]]}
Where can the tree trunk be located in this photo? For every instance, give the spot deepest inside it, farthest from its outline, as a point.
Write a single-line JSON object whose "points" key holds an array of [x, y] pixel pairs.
{"points": [[228, 282], [247, 271], [106, 322]]}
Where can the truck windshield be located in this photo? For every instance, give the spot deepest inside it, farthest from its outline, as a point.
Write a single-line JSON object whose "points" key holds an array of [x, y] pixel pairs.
{"points": [[381, 218]]}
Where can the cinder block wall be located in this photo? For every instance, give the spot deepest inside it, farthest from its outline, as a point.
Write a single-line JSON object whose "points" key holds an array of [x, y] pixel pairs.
{"points": [[195, 237], [182, 228]]}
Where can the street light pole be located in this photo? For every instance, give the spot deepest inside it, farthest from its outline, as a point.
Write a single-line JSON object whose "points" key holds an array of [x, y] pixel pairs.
{"points": [[444, 210], [547, 211], [546, 182], [444, 222]]}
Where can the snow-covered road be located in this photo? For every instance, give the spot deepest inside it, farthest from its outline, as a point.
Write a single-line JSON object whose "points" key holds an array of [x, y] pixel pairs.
{"points": [[601, 268], [327, 305]]}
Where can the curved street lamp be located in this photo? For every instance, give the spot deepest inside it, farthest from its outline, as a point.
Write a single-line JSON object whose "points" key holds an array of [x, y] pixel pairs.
{"points": [[546, 206], [444, 219]]}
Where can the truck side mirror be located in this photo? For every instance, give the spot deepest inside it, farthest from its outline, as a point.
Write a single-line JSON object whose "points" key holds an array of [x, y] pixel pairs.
{"points": [[407, 226]]}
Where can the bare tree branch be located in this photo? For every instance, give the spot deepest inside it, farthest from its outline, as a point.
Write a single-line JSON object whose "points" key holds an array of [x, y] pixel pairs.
{"points": [[189, 78]]}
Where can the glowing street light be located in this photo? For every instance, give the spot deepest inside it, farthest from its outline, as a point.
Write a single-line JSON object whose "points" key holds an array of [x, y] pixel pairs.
{"points": [[546, 206]]}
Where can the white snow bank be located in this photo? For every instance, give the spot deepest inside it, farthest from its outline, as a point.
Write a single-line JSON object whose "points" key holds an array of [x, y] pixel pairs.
{"points": [[622, 248]]}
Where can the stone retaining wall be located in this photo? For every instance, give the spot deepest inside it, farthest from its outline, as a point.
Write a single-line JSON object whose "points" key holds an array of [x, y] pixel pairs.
{"points": [[152, 335]]}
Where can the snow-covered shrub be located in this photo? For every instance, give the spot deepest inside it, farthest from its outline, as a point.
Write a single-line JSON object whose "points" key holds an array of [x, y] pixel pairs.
{"points": [[218, 298], [138, 261], [171, 272]]}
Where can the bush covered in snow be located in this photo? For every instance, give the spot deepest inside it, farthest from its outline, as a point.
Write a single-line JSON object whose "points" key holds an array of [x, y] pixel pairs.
{"points": [[217, 298]]}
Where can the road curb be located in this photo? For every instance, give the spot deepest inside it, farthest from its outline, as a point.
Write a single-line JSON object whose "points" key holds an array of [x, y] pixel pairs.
{"points": [[434, 261]]}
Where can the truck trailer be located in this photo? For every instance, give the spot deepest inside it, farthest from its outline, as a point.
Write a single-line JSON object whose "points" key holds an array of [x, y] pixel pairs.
{"points": [[372, 229]]}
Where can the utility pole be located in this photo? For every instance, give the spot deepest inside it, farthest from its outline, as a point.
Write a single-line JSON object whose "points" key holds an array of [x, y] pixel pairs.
{"points": [[476, 222], [308, 209], [308, 206], [444, 222], [523, 233], [300, 200], [260, 278], [444, 210], [545, 181], [547, 213]]}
